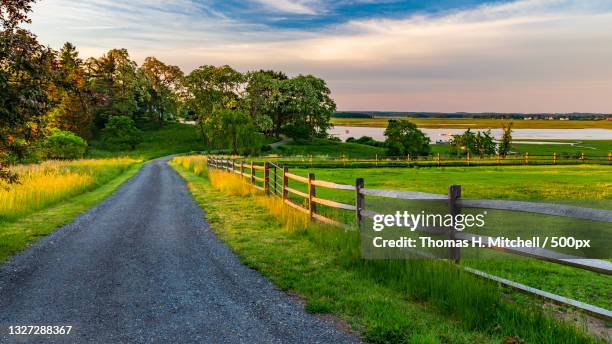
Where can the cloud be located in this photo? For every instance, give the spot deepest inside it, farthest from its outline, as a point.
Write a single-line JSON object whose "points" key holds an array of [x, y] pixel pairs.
{"points": [[296, 7], [528, 55]]}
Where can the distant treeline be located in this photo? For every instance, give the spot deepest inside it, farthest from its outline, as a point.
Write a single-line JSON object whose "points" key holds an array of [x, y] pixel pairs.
{"points": [[481, 115]]}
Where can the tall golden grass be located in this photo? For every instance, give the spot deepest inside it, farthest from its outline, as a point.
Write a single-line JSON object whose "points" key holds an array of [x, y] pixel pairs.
{"points": [[234, 185], [43, 184]]}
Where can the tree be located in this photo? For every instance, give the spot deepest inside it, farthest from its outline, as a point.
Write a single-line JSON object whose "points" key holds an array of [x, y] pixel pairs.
{"points": [[208, 88], [259, 99], [403, 138], [480, 143], [505, 143], [26, 73], [72, 111], [121, 131], [305, 106], [163, 83], [114, 81], [239, 131]]}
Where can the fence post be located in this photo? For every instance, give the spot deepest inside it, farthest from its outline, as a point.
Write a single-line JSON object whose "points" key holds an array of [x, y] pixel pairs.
{"points": [[376, 160], [468, 158], [312, 192], [526, 159], [609, 158], [554, 158], [252, 173], [285, 183], [275, 182], [241, 168], [408, 159], [454, 193], [582, 157], [266, 178], [438, 159], [359, 202], [498, 159]]}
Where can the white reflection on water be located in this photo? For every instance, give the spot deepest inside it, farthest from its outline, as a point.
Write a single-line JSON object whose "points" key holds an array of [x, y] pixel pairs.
{"points": [[517, 134]]}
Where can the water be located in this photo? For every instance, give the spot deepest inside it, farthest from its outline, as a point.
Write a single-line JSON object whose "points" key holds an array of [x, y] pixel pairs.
{"points": [[517, 134]]}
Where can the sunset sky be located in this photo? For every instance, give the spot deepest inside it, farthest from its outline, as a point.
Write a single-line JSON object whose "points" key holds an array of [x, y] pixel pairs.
{"points": [[464, 55]]}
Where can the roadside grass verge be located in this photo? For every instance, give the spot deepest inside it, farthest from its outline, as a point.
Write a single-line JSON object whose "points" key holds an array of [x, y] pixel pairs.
{"points": [[38, 216], [50, 182], [387, 301]]}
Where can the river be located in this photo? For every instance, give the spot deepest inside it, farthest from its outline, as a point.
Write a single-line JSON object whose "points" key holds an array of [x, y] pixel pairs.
{"points": [[517, 134]]}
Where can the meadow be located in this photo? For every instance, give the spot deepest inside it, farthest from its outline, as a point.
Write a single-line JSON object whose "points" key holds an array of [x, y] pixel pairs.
{"points": [[390, 301], [171, 138], [322, 148], [587, 186], [442, 123]]}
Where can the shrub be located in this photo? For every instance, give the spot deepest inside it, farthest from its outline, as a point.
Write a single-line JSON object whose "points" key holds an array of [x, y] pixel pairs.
{"points": [[64, 145], [121, 131]]}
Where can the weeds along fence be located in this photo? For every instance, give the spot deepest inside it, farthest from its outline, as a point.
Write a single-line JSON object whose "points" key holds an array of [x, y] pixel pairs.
{"points": [[276, 181], [441, 160]]}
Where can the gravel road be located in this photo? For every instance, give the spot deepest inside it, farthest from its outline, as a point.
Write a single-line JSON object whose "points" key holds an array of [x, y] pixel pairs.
{"points": [[143, 267]]}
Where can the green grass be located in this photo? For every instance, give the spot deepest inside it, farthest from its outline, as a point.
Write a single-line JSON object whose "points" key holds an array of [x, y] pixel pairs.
{"points": [[172, 138], [16, 234], [387, 301], [574, 147], [322, 147], [583, 182], [588, 186], [446, 123]]}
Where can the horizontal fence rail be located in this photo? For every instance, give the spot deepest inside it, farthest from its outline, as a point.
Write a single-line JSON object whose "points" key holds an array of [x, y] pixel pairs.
{"points": [[276, 180], [442, 160]]}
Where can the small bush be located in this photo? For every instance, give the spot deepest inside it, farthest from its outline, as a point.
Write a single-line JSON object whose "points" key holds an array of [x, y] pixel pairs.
{"points": [[64, 145], [120, 131]]}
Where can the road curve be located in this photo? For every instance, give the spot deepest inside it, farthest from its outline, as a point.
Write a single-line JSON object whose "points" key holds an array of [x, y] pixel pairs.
{"points": [[143, 267]]}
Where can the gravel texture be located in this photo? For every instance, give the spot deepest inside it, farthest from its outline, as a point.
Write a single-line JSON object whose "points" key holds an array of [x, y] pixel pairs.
{"points": [[143, 267]]}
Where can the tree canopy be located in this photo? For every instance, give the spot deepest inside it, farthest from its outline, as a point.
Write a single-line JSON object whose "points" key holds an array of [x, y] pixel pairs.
{"points": [[43, 91], [403, 138]]}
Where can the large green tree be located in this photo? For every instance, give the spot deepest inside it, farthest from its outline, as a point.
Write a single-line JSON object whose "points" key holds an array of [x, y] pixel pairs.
{"points": [[305, 107], [73, 105], [114, 81], [208, 88], [403, 138], [163, 85], [26, 73], [260, 99]]}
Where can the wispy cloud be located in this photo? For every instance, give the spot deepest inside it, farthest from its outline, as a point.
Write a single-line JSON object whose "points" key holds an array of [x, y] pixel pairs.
{"points": [[528, 55], [297, 7]]}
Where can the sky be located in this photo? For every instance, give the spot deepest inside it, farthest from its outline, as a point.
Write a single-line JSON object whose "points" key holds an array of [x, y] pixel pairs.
{"points": [[387, 55]]}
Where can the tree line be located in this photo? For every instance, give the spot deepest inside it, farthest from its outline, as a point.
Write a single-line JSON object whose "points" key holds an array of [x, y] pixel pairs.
{"points": [[53, 99]]}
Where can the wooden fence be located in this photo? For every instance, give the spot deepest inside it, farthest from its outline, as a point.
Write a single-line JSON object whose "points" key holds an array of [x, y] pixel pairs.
{"points": [[434, 160], [276, 182]]}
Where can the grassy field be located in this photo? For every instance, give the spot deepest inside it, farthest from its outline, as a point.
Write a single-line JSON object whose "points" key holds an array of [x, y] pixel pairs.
{"points": [[172, 138], [329, 148], [442, 123], [52, 194], [584, 182], [392, 301], [589, 186], [322, 147], [573, 147]]}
